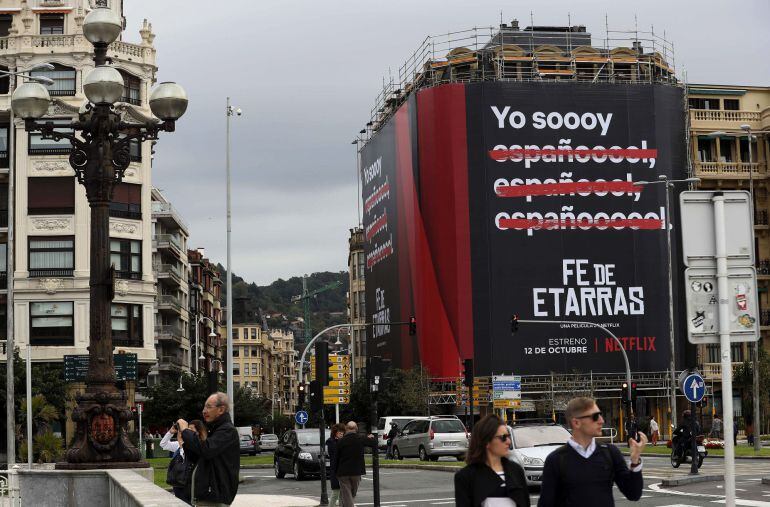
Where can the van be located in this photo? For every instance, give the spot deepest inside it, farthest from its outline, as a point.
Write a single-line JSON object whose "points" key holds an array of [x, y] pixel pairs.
{"points": [[383, 427], [429, 438]]}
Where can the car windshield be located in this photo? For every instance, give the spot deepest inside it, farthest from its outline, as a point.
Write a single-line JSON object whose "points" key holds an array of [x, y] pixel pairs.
{"points": [[533, 436], [448, 426], [310, 438], [245, 437]]}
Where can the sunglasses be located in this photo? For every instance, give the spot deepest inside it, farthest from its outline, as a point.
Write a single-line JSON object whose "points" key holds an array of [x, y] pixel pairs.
{"points": [[594, 417], [503, 438]]}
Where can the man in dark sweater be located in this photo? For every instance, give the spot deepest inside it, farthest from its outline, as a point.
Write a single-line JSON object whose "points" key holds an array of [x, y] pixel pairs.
{"points": [[582, 472], [349, 465]]}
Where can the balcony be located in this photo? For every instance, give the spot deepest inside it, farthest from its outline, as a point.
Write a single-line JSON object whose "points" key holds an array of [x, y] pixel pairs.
{"points": [[169, 363], [730, 170], [169, 303], [167, 242], [168, 273], [47, 44], [714, 370], [719, 119], [168, 214], [169, 333]]}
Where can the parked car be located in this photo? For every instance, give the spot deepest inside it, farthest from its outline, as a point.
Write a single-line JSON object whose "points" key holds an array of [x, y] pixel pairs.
{"points": [[249, 445], [268, 442], [432, 437], [297, 454], [531, 444], [383, 427]]}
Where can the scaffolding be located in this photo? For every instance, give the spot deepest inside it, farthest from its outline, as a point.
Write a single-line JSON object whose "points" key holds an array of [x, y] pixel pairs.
{"points": [[547, 54]]}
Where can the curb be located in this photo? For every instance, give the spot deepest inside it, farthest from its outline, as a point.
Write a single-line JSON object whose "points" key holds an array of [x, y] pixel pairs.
{"points": [[692, 479], [710, 456], [436, 468], [256, 467]]}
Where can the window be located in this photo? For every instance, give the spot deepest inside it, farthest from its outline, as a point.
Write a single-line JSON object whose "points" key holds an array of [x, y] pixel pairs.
{"points": [[51, 256], [3, 143], [135, 150], [131, 88], [126, 201], [253, 333], [63, 80], [236, 334], [236, 369], [236, 351], [712, 351], [3, 205], [40, 146], [706, 150], [699, 103], [253, 351], [3, 267], [736, 352], [52, 24], [5, 81], [254, 368], [51, 196], [6, 20], [51, 323], [362, 304], [726, 147], [126, 256], [126, 325], [732, 104], [361, 267]]}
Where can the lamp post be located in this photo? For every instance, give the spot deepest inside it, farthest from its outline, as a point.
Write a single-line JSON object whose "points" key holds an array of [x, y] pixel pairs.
{"points": [[100, 155], [669, 184], [212, 334], [230, 111]]}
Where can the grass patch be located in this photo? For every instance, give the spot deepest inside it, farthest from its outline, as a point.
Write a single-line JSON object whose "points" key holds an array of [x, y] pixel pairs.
{"points": [[160, 466], [741, 450]]}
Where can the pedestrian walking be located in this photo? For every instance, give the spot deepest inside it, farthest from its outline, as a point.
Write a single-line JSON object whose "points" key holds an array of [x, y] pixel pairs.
{"points": [[350, 462], [582, 472], [215, 481], [490, 479], [337, 431], [716, 427], [392, 434], [654, 431]]}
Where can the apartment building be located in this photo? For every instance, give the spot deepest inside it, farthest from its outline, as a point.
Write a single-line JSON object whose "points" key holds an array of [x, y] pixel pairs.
{"points": [[357, 299], [50, 213], [722, 119], [206, 317], [264, 360]]}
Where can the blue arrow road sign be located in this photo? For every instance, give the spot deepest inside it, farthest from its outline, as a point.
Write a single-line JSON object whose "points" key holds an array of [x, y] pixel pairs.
{"points": [[694, 387], [301, 417]]}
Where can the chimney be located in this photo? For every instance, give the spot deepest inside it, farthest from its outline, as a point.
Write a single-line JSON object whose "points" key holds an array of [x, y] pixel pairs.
{"points": [[202, 251], [515, 24]]}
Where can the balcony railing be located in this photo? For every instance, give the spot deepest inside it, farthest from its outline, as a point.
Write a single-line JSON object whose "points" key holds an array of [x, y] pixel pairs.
{"points": [[170, 360], [169, 302], [728, 168], [47, 272], [173, 333], [168, 271], [714, 370], [163, 240], [719, 115], [162, 208]]}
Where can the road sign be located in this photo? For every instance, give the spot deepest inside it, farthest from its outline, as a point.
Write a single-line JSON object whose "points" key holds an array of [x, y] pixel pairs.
{"points": [[698, 240], [301, 417], [694, 387], [506, 403], [336, 400], [76, 367], [506, 388], [336, 358], [334, 391], [703, 304], [339, 383]]}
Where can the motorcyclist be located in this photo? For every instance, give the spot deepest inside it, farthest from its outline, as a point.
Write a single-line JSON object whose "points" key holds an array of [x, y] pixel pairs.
{"points": [[688, 426], [392, 434]]}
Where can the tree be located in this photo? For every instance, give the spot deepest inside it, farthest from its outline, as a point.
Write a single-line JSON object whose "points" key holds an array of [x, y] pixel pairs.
{"points": [[251, 408], [43, 414], [165, 404], [402, 392], [744, 380]]}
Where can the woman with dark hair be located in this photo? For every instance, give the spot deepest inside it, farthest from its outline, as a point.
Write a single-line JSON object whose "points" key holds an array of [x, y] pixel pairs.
{"points": [[337, 432], [490, 479]]}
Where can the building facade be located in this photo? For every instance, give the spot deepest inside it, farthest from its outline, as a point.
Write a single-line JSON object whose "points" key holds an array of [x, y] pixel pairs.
{"points": [[172, 271], [265, 362], [722, 117], [205, 314], [357, 299], [49, 210]]}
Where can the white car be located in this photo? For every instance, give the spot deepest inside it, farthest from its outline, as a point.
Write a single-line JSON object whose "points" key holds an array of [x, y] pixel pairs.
{"points": [[531, 444], [268, 442]]}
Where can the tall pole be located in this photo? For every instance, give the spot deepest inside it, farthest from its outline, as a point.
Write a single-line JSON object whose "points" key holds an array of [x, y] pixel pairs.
{"points": [[672, 342], [724, 340], [229, 361], [197, 341], [10, 347], [29, 405], [755, 362]]}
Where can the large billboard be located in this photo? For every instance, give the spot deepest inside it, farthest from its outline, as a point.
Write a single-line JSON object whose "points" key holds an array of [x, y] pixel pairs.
{"points": [[519, 198]]}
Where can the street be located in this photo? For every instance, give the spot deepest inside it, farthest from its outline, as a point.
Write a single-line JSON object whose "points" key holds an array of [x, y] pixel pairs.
{"points": [[409, 487]]}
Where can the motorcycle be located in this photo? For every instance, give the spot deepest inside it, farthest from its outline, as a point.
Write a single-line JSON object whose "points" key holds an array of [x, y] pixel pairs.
{"points": [[679, 453]]}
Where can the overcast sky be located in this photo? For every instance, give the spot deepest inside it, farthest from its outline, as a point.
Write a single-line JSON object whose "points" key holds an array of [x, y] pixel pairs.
{"points": [[306, 74]]}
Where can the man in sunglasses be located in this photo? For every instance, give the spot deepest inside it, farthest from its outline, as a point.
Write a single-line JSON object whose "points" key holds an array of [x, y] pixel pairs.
{"points": [[582, 472]]}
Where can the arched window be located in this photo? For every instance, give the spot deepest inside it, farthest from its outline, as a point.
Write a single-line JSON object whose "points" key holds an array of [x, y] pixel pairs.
{"points": [[63, 80], [131, 88]]}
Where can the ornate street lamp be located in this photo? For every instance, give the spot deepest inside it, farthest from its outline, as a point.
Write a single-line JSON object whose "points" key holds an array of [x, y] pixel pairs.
{"points": [[100, 157]]}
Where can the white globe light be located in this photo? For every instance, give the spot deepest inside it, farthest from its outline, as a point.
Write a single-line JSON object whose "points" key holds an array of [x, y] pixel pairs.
{"points": [[30, 101], [103, 85], [168, 101], [102, 26]]}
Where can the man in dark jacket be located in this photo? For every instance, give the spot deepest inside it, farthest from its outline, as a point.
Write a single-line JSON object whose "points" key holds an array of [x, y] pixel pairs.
{"points": [[582, 472], [350, 462], [215, 479]]}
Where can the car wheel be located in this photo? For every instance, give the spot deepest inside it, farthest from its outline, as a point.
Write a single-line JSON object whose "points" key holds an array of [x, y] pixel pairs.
{"points": [[278, 473], [298, 475], [423, 455], [397, 453], [433, 458], [254, 453]]}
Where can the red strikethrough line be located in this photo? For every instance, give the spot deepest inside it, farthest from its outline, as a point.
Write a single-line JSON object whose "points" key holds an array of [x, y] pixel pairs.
{"points": [[530, 154], [568, 188], [525, 223]]}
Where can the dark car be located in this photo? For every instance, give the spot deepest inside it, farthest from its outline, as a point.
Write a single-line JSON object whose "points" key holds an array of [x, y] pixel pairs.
{"points": [[297, 454], [249, 445]]}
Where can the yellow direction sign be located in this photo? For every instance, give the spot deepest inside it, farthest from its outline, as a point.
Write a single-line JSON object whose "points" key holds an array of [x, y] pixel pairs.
{"points": [[339, 367], [506, 403], [336, 400], [338, 375], [339, 383], [340, 359], [334, 391]]}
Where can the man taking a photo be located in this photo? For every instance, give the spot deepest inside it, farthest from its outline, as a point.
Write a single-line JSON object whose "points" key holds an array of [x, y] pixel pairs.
{"points": [[218, 457], [582, 472]]}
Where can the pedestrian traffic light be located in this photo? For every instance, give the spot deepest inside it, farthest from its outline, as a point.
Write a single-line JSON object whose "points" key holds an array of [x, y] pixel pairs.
{"points": [[316, 396], [322, 363], [514, 323], [633, 392], [301, 395], [412, 326], [468, 372]]}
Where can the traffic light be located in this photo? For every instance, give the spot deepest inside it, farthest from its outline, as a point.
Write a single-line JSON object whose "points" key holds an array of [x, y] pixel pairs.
{"points": [[301, 396], [624, 392], [316, 396], [514, 323], [322, 363], [633, 392], [412, 326], [468, 372]]}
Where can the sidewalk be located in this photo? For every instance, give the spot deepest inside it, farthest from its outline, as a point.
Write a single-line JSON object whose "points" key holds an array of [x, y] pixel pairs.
{"points": [[272, 501]]}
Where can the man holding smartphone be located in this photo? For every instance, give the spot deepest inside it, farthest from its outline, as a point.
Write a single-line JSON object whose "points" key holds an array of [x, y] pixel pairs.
{"points": [[582, 472]]}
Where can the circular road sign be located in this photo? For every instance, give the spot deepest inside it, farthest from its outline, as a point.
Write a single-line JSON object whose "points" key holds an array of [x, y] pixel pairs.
{"points": [[694, 388], [301, 417]]}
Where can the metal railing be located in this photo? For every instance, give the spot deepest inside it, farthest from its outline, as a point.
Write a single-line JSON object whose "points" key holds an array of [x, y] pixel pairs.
{"points": [[167, 239], [162, 208], [46, 272], [170, 301], [169, 332], [168, 271]]}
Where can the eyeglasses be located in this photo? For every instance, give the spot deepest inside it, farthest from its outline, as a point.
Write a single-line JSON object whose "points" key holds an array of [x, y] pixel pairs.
{"points": [[211, 406], [503, 438], [594, 417]]}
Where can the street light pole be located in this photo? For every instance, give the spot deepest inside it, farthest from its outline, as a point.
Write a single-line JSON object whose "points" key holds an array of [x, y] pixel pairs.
{"points": [[230, 393], [669, 184]]}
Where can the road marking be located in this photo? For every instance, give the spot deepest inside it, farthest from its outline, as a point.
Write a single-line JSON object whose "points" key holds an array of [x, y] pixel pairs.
{"points": [[434, 503], [657, 489], [394, 503], [747, 503]]}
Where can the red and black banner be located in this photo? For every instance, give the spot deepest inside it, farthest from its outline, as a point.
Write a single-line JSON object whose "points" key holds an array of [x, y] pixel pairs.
{"points": [[492, 199]]}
